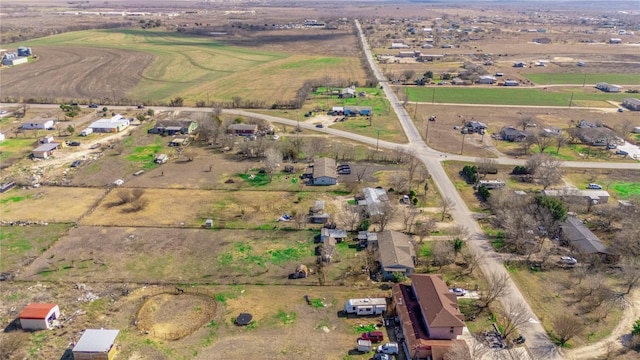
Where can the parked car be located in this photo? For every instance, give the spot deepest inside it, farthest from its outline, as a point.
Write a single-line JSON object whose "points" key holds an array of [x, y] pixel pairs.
{"points": [[76, 163], [140, 106], [381, 356], [118, 182], [568, 260], [73, 143], [320, 126], [373, 336], [620, 110], [593, 186], [458, 291], [95, 146], [621, 152], [612, 146], [389, 348], [93, 106]]}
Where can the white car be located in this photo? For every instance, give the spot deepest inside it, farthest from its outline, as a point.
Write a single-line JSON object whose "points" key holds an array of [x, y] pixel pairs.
{"points": [[593, 186], [568, 260], [118, 182], [389, 348], [458, 291]]}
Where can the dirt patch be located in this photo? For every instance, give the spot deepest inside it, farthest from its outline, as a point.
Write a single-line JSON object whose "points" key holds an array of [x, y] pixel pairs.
{"points": [[174, 316], [76, 72]]}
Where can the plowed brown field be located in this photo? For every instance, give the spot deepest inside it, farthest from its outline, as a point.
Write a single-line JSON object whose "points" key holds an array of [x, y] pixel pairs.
{"points": [[76, 72]]}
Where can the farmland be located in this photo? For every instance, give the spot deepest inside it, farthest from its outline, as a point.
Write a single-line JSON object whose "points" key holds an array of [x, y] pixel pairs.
{"points": [[514, 96], [156, 66], [583, 78]]}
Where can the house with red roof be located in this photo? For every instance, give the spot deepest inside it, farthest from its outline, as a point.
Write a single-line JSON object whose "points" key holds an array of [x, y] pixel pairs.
{"points": [[38, 316], [429, 317]]}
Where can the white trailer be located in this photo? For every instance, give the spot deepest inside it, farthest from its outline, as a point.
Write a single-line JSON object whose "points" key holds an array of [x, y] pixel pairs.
{"points": [[86, 132], [368, 306]]}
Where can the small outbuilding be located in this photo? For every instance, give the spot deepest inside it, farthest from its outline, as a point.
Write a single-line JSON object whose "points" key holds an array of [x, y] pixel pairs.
{"points": [[38, 316], [96, 344], [45, 151]]}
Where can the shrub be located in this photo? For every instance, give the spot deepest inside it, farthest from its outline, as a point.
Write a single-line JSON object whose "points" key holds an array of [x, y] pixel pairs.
{"points": [[470, 173], [484, 193]]}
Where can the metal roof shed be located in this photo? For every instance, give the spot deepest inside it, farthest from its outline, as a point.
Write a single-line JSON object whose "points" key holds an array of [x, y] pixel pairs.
{"points": [[96, 344]]}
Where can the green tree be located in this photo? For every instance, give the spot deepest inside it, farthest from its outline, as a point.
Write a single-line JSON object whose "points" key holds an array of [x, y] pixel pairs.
{"points": [[636, 328], [429, 74], [151, 112], [556, 207], [458, 244], [364, 225], [71, 129]]}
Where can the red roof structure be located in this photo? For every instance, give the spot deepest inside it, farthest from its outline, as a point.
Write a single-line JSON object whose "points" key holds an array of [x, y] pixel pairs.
{"points": [[36, 311]]}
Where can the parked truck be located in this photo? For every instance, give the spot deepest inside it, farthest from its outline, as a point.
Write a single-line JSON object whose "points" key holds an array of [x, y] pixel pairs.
{"points": [[161, 159], [368, 306]]}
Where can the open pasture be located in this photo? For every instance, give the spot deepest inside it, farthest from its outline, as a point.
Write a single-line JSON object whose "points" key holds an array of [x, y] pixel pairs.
{"points": [[158, 66], [174, 207], [19, 245], [48, 204], [175, 255]]}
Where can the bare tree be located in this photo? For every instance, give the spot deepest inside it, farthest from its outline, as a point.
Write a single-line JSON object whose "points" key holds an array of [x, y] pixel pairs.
{"points": [[561, 140], [361, 172], [409, 214], [446, 204], [408, 74], [526, 120], [384, 216], [497, 287], [442, 253], [139, 204], [543, 140], [272, 161], [566, 326], [349, 216], [472, 348], [545, 168], [486, 165], [124, 195], [313, 147], [515, 314], [412, 164], [299, 218], [424, 227], [472, 260], [399, 182]]}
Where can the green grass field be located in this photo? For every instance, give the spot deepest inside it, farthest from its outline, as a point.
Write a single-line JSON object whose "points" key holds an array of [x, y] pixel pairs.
{"points": [[512, 96], [19, 242], [199, 68], [588, 78], [626, 189]]}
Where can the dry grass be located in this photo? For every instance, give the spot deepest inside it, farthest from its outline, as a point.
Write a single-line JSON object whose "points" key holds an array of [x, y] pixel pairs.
{"points": [[176, 208], [49, 204], [174, 316]]}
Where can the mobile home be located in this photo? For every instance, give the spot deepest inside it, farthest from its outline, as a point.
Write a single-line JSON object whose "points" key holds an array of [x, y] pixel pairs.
{"points": [[368, 306]]}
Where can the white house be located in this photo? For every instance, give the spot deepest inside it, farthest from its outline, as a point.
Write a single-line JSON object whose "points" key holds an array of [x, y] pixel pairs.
{"points": [[45, 151], [38, 316], [2, 137], [612, 88], [116, 124], [486, 79], [399, 45], [368, 306], [37, 124]]}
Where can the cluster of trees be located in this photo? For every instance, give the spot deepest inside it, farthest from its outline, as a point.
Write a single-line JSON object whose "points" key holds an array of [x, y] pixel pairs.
{"points": [[70, 111], [150, 24]]}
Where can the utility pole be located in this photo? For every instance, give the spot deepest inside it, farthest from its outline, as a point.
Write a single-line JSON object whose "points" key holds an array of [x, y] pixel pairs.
{"points": [[377, 140], [462, 145], [571, 100]]}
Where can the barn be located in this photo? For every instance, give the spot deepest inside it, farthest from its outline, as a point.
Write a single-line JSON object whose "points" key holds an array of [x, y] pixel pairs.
{"points": [[96, 344], [38, 316]]}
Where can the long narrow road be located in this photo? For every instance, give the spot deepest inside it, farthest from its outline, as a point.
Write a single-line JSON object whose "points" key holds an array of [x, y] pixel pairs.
{"points": [[538, 343]]}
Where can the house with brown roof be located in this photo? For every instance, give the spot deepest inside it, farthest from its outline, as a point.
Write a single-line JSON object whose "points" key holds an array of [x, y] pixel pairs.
{"points": [[429, 316], [396, 254], [243, 129], [324, 172]]}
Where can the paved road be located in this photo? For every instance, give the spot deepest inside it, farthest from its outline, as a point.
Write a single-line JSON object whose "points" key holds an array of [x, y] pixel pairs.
{"points": [[539, 344]]}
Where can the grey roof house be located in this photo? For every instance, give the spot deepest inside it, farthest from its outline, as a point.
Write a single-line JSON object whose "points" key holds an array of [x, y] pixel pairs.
{"points": [[324, 172], [575, 234], [513, 134], [374, 201], [396, 254]]}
